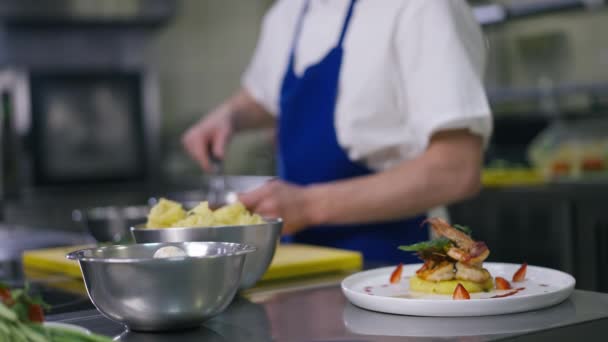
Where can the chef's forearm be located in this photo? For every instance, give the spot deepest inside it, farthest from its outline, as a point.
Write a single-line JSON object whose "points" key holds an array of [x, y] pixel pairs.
{"points": [[246, 112], [447, 172]]}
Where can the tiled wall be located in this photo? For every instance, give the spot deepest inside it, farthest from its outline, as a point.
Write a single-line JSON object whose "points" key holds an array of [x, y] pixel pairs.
{"points": [[200, 57]]}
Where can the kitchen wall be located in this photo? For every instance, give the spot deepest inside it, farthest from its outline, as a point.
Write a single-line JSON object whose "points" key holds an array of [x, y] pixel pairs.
{"points": [[200, 56]]}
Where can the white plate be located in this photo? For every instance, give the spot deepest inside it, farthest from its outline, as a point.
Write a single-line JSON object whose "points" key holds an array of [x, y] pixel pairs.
{"points": [[68, 326], [371, 290]]}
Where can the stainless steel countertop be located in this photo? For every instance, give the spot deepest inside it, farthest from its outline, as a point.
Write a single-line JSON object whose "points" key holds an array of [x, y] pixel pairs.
{"points": [[324, 314]]}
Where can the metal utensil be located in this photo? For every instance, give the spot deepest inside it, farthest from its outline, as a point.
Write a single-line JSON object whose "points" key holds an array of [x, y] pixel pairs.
{"points": [[128, 285], [262, 236], [219, 191]]}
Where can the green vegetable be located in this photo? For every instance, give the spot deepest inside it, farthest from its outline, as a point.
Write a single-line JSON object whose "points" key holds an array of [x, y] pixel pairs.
{"points": [[7, 314], [20, 309], [439, 244], [16, 327], [64, 334], [23, 295]]}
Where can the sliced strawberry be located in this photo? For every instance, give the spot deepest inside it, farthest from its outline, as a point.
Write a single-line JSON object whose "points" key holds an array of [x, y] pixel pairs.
{"points": [[35, 313], [520, 275], [502, 284], [460, 293], [5, 297], [396, 275]]}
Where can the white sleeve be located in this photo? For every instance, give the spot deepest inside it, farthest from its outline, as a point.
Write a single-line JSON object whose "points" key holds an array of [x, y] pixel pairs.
{"points": [[261, 78], [442, 57]]}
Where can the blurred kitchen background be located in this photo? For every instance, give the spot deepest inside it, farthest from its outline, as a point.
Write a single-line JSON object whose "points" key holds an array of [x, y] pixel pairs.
{"points": [[96, 93]]}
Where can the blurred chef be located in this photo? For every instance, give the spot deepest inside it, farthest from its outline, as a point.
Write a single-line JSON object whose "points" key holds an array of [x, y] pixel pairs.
{"points": [[380, 111]]}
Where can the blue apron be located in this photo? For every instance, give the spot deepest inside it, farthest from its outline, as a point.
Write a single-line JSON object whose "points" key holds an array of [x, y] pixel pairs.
{"points": [[309, 153]]}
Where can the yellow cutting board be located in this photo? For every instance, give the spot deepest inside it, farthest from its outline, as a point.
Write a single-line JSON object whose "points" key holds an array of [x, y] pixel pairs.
{"points": [[293, 260], [290, 260]]}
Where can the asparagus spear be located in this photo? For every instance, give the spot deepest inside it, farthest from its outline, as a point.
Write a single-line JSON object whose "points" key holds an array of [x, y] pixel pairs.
{"points": [[14, 330]]}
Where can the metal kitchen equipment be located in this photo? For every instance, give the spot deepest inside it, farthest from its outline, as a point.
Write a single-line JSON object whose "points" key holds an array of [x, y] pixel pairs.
{"points": [[219, 192], [111, 223], [264, 237], [83, 125], [84, 96], [128, 285]]}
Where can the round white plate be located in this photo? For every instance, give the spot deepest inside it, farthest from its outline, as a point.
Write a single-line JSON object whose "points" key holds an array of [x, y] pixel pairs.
{"points": [[371, 290], [68, 326]]}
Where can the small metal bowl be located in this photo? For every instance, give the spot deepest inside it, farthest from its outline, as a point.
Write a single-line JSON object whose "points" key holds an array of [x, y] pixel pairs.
{"points": [[127, 284], [264, 237], [111, 223]]}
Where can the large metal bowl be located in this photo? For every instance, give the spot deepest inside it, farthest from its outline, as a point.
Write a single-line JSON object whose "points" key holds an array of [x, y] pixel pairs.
{"points": [[127, 284], [263, 236]]}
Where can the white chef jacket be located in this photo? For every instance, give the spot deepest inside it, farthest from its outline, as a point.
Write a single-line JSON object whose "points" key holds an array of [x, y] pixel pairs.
{"points": [[410, 68]]}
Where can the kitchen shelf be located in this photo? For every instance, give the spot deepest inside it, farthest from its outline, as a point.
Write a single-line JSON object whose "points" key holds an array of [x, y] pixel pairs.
{"points": [[498, 13], [502, 95], [89, 13]]}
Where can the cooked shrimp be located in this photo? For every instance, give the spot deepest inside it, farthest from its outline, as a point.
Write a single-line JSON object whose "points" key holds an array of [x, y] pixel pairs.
{"points": [[466, 250], [471, 273], [467, 257], [442, 228], [436, 272]]}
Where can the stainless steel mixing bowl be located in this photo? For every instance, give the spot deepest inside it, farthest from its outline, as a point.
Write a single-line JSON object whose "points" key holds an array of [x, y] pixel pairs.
{"points": [[111, 223], [127, 284], [263, 236]]}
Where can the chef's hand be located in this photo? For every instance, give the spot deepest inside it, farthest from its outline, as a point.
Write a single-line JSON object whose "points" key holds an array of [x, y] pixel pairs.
{"points": [[280, 199], [209, 135]]}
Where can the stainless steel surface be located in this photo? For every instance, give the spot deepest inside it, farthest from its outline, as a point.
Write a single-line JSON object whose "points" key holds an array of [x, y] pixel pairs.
{"points": [[323, 314], [262, 236], [112, 223], [129, 286], [14, 239]]}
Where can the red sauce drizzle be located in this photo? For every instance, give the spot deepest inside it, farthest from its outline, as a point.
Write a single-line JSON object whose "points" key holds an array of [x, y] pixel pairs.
{"points": [[367, 289], [509, 293]]}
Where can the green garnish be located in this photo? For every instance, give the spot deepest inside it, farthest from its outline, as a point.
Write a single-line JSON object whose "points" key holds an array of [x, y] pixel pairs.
{"points": [[439, 244], [464, 229], [435, 247]]}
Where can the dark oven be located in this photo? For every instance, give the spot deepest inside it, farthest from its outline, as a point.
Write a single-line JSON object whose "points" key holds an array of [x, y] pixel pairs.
{"points": [[78, 126]]}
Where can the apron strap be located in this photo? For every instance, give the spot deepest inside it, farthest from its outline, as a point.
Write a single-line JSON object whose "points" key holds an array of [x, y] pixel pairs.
{"points": [[300, 23], [347, 21], [298, 31]]}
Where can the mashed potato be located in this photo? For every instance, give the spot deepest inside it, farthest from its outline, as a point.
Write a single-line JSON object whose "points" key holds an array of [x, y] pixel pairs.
{"points": [[166, 214], [448, 286]]}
